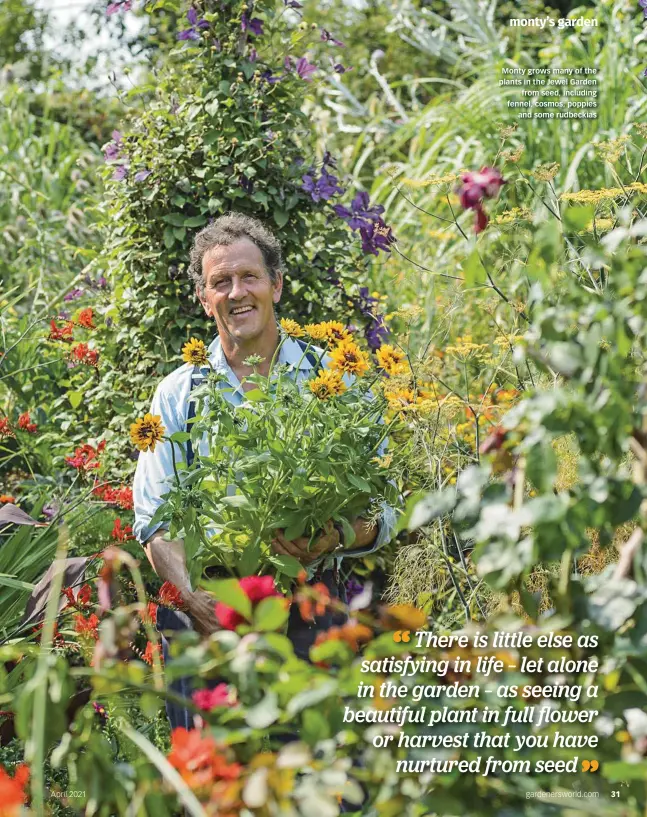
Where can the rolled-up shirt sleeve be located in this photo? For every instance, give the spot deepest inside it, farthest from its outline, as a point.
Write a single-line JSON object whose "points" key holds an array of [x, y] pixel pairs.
{"points": [[154, 473]]}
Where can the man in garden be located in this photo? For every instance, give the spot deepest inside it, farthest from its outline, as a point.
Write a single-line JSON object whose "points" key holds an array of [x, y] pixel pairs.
{"points": [[236, 267]]}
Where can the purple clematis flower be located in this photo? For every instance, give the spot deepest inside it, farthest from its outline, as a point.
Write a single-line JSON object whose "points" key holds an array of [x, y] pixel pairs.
{"points": [[119, 5], [323, 188], [327, 37], [73, 295], [142, 174], [353, 588], [112, 150], [305, 69], [376, 237], [253, 55], [292, 4], [271, 78], [120, 173], [192, 32], [253, 24], [246, 184]]}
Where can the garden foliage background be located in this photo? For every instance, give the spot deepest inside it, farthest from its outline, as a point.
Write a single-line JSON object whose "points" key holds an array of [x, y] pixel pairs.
{"points": [[523, 445]]}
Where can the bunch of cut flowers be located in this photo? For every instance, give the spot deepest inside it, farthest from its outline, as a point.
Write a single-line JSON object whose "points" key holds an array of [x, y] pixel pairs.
{"points": [[305, 447]]}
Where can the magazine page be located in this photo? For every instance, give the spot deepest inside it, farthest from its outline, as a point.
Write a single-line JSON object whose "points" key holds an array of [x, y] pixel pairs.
{"points": [[323, 408]]}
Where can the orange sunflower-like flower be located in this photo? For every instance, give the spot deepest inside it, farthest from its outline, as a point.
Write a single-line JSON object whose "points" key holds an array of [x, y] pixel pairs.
{"points": [[327, 384], [348, 357], [317, 331], [292, 328], [146, 432], [195, 352], [392, 360], [335, 332]]}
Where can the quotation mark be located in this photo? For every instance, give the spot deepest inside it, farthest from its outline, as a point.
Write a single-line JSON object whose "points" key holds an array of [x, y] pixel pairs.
{"points": [[402, 635], [590, 765]]}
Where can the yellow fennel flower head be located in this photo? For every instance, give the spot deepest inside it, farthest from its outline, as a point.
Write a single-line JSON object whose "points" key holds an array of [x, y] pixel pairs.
{"points": [[317, 331], [195, 352], [348, 357], [392, 360], [292, 328], [400, 399], [146, 432], [335, 332], [327, 384]]}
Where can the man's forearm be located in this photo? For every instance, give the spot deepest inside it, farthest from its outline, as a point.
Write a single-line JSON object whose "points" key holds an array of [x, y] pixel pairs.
{"points": [[168, 560], [365, 533]]}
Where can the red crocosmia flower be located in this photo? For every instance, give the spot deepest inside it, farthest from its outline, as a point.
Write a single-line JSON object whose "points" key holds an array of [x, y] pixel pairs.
{"points": [[13, 793], [209, 699], [170, 596], [5, 428], [124, 498], [121, 534], [61, 332], [85, 318], [197, 759], [24, 422], [85, 457], [84, 595], [57, 639], [149, 616], [313, 601], [82, 354], [256, 588], [87, 626], [69, 595], [150, 650]]}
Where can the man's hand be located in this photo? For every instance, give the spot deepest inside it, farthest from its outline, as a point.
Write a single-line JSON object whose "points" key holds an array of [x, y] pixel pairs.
{"points": [[201, 608], [298, 548]]}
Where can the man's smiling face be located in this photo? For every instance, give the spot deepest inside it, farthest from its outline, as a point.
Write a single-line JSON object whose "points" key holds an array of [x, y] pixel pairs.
{"points": [[238, 291]]}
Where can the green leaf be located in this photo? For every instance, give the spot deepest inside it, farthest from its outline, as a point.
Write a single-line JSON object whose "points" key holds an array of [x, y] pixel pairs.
{"points": [[289, 565], [180, 436], [271, 614], [265, 713], [310, 697], [578, 217], [473, 270], [169, 238], [619, 770], [195, 221], [281, 217], [75, 398], [229, 592], [256, 396], [236, 501], [150, 704], [359, 482]]}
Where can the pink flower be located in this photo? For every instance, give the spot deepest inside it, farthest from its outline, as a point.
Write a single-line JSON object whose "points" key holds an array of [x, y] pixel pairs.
{"points": [[209, 699], [477, 186]]}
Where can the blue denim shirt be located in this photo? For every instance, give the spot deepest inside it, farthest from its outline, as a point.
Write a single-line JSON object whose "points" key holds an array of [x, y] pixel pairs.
{"points": [[171, 402]]}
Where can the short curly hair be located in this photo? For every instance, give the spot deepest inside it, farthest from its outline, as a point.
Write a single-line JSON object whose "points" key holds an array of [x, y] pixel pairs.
{"points": [[228, 229]]}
